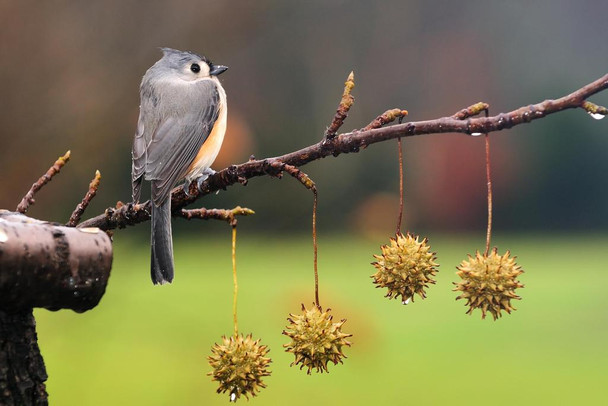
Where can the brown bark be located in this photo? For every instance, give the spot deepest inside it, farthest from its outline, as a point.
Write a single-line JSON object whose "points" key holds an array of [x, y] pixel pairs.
{"points": [[42, 265], [22, 371], [51, 266]]}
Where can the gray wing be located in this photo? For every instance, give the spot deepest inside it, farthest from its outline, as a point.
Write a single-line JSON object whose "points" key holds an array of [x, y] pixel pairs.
{"points": [[138, 155], [165, 150], [146, 127]]}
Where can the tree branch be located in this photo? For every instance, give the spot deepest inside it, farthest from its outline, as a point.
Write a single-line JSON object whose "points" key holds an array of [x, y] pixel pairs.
{"points": [[228, 215], [28, 199], [47, 265], [345, 104], [22, 371], [386, 118], [354, 141], [82, 206]]}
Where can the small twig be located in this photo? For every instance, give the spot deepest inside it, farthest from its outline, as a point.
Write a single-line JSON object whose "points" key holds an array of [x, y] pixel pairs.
{"points": [[595, 111], [345, 104], [385, 118], [228, 215], [82, 206], [303, 178], [28, 199], [471, 111]]}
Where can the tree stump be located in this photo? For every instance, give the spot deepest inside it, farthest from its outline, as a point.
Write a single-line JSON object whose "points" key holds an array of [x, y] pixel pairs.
{"points": [[42, 265]]}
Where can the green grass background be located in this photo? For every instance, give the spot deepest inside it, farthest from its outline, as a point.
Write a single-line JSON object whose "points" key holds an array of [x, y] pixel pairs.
{"points": [[147, 345]]}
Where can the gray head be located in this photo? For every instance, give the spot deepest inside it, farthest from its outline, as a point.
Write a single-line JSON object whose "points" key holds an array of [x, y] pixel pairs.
{"points": [[187, 65]]}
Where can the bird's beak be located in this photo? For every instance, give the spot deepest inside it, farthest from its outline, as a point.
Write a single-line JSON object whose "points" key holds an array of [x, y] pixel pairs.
{"points": [[217, 69]]}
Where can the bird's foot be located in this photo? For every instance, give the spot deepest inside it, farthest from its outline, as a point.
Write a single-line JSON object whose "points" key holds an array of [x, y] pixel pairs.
{"points": [[209, 172], [186, 187], [206, 173], [199, 181]]}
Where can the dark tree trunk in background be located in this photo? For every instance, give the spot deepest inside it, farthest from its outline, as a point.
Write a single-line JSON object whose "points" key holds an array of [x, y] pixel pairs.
{"points": [[22, 371]]}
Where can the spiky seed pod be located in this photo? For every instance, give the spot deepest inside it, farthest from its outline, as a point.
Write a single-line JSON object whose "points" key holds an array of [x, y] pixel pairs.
{"points": [[315, 339], [489, 282], [239, 364], [406, 267]]}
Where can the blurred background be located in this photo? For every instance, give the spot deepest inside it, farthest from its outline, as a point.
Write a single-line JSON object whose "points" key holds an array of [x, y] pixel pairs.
{"points": [[71, 72], [69, 79]]}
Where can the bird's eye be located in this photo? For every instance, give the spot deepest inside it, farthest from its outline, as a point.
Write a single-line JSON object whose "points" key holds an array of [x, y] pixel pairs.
{"points": [[195, 68]]}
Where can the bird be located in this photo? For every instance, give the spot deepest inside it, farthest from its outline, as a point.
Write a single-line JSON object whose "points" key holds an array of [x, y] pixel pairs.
{"points": [[180, 130]]}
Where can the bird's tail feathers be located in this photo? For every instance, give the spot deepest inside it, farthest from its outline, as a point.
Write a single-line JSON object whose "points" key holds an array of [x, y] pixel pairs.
{"points": [[162, 244]]}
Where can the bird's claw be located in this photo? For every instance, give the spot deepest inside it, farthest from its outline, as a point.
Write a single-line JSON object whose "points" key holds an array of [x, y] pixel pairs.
{"points": [[186, 188], [199, 181]]}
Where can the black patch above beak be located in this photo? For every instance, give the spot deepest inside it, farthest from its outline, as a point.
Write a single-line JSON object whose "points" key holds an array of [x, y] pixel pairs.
{"points": [[217, 69]]}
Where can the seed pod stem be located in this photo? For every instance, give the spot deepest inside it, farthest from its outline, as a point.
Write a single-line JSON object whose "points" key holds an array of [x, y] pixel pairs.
{"points": [[234, 279], [489, 181], [314, 246], [400, 218]]}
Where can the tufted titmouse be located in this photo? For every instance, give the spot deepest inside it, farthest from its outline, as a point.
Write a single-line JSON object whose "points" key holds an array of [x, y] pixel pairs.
{"points": [[181, 126]]}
